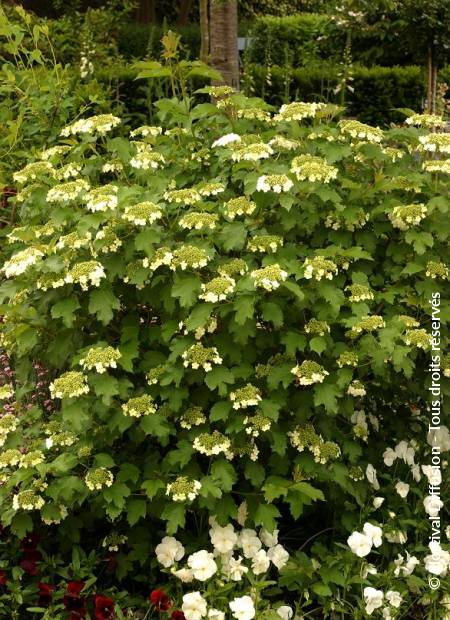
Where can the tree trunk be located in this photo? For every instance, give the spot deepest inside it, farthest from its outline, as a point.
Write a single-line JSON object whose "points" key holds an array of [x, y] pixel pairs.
{"points": [[431, 80], [223, 38], [183, 13], [145, 12], [204, 31]]}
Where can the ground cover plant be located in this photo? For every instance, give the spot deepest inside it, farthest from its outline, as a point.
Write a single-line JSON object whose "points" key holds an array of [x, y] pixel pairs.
{"points": [[216, 367]]}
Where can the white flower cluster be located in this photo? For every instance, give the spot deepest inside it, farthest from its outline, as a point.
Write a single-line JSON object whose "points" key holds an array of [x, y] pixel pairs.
{"points": [[147, 158], [436, 142], [319, 267], [405, 216], [183, 488], [100, 358], [188, 256], [139, 406], [102, 198], [186, 196], [356, 388], [198, 356], [374, 599], [265, 243], [67, 191], [297, 111], [34, 170], [217, 289], [437, 165], [359, 292], [69, 171], [84, 274], [198, 221], [313, 169], [247, 396], [437, 270], [269, 277], [212, 444], [100, 124], [430, 121], [227, 139], [142, 213], [239, 206], [361, 543], [69, 385], [21, 261], [368, 324], [146, 130], [309, 372], [97, 479], [251, 152], [355, 129], [27, 500], [274, 182]]}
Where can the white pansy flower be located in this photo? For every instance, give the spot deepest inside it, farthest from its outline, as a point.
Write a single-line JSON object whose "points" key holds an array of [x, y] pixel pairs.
{"points": [[371, 475], [377, 501], [374, 533], [433, 504], [202, 565], [433, 474], [394, 598], [360, 544], [215, 614], [373, 599], [183, 574], [438, 561], [223, 539], [194, 606], [242, 608], [270, 539], [228, 138], [389, 457], [278, 556], [402, 488], [260, 562], [285, 612], [169, 551]]}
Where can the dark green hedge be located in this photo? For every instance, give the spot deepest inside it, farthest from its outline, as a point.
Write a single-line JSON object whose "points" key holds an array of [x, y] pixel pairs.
{"points": [[308, 37], [378, 90]]}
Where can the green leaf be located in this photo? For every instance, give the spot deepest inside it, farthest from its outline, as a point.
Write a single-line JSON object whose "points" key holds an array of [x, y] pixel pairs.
{"points": [[273, 313], [151, 487], [21, 524], [275, 487], [266, 515], [155, 424], [232, 236], [245, 308], [102, 303], [65, 310], [116, 494], [322, 589], [136, 509], [294, 288], [199, 316], [105, 386], [222, 472], [218, 378], [220, 411], [175, 515], [210, 487], [318, 344], [186, 289], [326, 394]]}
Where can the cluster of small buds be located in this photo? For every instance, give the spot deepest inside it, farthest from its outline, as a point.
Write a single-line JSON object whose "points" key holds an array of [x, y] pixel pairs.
{"points": [[106, 241], [193, 416], [139, 406], [436, 270], [360, 131], [74, 241], [265, 243], [405, 216], [189, 256], [212, 444], [269, 278], [162, 256], [319, 267], [114, 165], [69, 385], [154, 374], [356, 388], [234, 267], [198, 220], [85, 274], [8, 424], [10, 458], [249, 450], [217, 289], [31, 459], [27, 500], [347, 359], [186, 196], [31, 233], [101, 198], [254, 114], [6, 391], [304, 436], [147, 158], [419, 338], [67, 191], [210, 327], [69, 171], [429, 121], [21, 261], [101, 358], [219, 91], [33, 171], [239, 206], [183, 488], [251, 152], [368, 324], [55, 152], [48, 281], [254, 425], [326, 451], [359, 292], [356, 473], [360, 427], [437, 165], [145, 131], [55, 519], [280, 143], [313, 169], [308, 373], [247, 396], [98, 478], [355, 221], [113, 541], [61, 439], [99, 124], [198, 356], [408, 321], [436, 142], [317, 328], [393, 153], [274, 183], [225, 140], [297, 111], [210, 189]]}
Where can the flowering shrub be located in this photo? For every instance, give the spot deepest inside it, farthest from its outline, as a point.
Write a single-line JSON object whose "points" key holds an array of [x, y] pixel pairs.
{"points": [[218, 355]]}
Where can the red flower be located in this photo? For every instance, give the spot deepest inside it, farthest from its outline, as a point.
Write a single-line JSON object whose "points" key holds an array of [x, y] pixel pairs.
{"points": [[72, 600], [29, 543], [45, 594], [104, 608], [178, 615], [3, 578], [160, 600], [29, 562]]}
